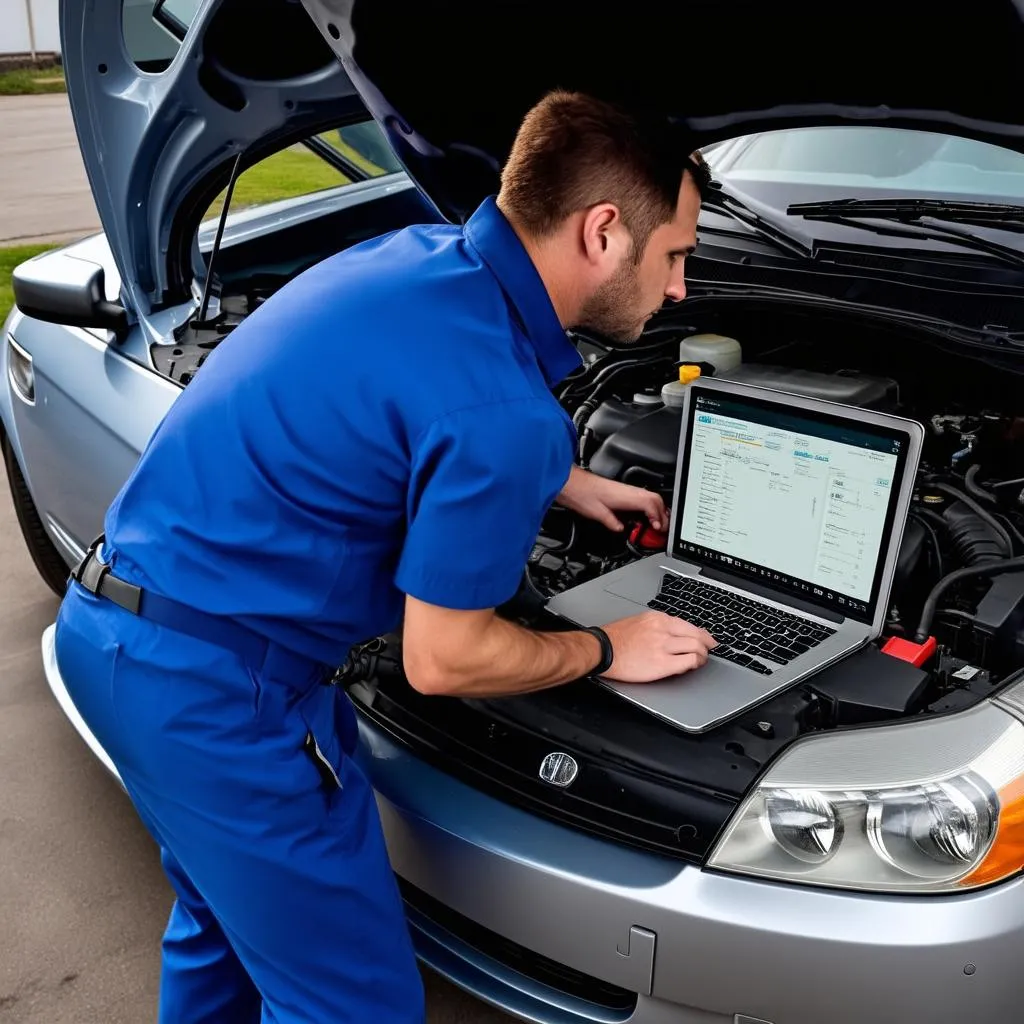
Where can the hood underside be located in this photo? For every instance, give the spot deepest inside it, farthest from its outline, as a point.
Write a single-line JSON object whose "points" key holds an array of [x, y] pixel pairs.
{"points": [[250, 76], [450, 82]]}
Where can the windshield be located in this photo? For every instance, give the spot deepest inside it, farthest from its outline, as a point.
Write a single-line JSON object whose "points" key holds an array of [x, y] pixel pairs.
{"points": [[871, 162]]}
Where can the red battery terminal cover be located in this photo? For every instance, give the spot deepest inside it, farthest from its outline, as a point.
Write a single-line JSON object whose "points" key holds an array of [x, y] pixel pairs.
{"points": [[917, 654], [646, 538]]}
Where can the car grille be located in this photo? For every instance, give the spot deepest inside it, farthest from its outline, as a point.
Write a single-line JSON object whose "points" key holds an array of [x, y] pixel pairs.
{"points": [[609, 798], [518, 958]]}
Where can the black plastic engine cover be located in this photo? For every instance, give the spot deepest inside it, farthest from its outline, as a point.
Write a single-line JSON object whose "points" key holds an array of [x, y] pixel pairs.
{"points": [[644, 451], [845, 387]]}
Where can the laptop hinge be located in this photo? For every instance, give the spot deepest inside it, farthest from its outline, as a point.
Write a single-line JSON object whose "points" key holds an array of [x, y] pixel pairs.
{"points": [[772, 595]]}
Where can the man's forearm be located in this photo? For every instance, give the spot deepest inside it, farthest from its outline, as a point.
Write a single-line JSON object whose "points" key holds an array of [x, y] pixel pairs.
{"points": [[507, 659]]}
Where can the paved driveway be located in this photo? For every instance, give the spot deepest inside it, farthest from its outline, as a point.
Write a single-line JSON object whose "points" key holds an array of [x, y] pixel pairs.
{"points": [[44, 193]]}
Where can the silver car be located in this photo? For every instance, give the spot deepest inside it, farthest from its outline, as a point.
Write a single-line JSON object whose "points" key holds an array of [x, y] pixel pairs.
{"points": [[852, 849]]}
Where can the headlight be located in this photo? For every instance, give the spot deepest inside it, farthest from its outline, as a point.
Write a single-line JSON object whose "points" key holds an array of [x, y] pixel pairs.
{"points": [[924, 806]]}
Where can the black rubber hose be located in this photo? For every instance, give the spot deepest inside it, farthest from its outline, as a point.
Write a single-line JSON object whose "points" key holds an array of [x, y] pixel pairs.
{"points": [[932, 516], [955, 492], [602, 376], [974, 540], [973, 571], [933, 534], [975, 488], [1005, 520]]}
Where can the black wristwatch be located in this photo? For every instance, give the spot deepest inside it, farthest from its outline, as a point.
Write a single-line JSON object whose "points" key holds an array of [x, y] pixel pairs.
{"points": [[607, 654]]}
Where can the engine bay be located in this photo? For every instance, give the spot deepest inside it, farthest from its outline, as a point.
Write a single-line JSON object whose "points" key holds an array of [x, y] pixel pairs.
{"points": [[645, 782], [967, 513]]}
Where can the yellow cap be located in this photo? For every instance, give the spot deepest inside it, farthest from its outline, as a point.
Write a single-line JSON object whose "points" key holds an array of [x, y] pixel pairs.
{"points": [[688, 373]]}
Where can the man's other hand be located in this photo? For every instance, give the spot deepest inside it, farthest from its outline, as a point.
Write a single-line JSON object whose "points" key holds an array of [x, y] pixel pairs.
{"points": [[653, 645], [599, 499]]}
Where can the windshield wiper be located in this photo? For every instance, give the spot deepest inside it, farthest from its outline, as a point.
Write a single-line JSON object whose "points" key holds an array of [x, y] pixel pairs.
{"points": [[1010, 218], [888, 217], [746, 213]]}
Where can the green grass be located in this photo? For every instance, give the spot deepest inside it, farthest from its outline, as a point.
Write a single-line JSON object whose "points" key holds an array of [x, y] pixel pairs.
{"points": [[292, 172], [9, 259], [31, 81]]}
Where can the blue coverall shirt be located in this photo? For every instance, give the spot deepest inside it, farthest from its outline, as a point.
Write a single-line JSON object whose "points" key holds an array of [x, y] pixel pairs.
{"points": [[383, 425]]}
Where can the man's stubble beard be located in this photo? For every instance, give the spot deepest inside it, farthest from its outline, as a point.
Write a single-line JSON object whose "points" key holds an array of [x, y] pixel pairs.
{"points": [[612, 310]]}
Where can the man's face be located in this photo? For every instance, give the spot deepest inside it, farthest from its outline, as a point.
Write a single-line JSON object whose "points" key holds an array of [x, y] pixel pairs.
{"points": [[620, 308]]}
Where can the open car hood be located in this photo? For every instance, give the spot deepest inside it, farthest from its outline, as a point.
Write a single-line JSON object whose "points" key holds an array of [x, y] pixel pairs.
{"points": [[249, 77], [449, 82]]}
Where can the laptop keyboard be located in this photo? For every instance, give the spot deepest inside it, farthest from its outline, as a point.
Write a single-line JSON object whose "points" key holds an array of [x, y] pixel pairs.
{"points": [[741, 626]]}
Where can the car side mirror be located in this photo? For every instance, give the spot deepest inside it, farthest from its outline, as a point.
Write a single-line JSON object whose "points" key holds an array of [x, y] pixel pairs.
{"points": [[69, 292]]}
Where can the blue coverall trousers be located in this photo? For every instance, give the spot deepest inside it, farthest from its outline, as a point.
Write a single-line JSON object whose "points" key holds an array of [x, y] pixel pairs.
{"points": [[286, 910]]}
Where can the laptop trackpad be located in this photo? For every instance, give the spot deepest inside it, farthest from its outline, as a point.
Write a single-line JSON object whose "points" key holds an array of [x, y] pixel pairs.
{"points": [[638, 587]]}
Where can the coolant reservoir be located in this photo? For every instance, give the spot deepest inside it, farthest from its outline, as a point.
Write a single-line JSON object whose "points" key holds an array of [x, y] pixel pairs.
{"points": [[724, 354], [674, 391]]}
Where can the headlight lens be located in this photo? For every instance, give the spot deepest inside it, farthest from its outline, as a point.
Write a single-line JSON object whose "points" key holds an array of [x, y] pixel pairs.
{"points": [[935, 829], [926, 806], [804, 823]]}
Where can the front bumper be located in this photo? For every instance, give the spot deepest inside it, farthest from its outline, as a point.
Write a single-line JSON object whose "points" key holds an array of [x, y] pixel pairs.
{"points": [[695, 948], [704, 948]]}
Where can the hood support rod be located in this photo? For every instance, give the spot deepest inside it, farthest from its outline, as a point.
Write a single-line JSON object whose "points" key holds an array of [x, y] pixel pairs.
{"points": [[201, 318]]}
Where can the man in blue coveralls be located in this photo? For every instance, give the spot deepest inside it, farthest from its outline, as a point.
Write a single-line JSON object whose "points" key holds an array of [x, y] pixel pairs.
{"points": [[387, 408]]}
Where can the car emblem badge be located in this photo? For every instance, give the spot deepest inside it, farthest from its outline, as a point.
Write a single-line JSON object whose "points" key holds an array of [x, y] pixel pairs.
{"points": [[559, 769]]}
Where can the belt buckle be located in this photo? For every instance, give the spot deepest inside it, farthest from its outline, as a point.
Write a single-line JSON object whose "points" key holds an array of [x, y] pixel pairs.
{"points": [[82, 568], [76, 573]]}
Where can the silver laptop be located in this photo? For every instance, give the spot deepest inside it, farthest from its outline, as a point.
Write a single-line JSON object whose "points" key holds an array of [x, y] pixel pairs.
{"points": [[787, 518]]}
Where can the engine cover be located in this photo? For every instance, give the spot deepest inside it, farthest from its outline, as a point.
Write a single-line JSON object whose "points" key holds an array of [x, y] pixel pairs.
{"points": [[845, 387]]}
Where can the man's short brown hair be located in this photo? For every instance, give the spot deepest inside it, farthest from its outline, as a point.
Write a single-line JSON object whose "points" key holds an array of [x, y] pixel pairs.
{"points": [[573, 151]]}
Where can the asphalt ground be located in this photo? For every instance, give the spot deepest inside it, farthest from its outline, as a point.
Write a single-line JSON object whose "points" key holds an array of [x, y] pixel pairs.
{"points": [[44, 192]]}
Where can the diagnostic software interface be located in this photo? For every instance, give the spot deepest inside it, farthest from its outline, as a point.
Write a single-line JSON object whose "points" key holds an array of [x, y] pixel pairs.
{"points": [[802, 501]]}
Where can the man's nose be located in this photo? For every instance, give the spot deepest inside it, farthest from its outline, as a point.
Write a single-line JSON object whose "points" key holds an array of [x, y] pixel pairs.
{"points": [[676, 291]]}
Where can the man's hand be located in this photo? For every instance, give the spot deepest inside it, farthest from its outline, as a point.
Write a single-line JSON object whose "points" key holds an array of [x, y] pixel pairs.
{"points": [[599, 499], [478, 654], [652, 645]]}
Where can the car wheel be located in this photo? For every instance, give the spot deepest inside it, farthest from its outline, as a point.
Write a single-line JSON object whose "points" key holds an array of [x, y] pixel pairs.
{"points": [[48, 562]]}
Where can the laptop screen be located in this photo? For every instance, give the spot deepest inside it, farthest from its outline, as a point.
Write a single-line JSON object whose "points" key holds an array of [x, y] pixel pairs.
{"points": [[800, 501]]}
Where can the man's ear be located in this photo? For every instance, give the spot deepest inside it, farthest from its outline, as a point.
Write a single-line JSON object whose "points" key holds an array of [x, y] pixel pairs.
{"points": [[604, 236]]}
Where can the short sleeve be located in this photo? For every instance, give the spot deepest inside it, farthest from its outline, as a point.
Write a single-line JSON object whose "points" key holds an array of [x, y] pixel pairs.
{"points": [[481, 481]]}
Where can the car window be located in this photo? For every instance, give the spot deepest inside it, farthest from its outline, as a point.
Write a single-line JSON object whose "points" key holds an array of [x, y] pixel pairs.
{"points": [[878, 158], [292, 172], [150, 42], [176, 15], [365, 145], [299, 170]]}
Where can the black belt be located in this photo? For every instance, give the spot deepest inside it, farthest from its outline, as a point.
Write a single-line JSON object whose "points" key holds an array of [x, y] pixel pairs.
{"points": [[256, 651]]}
